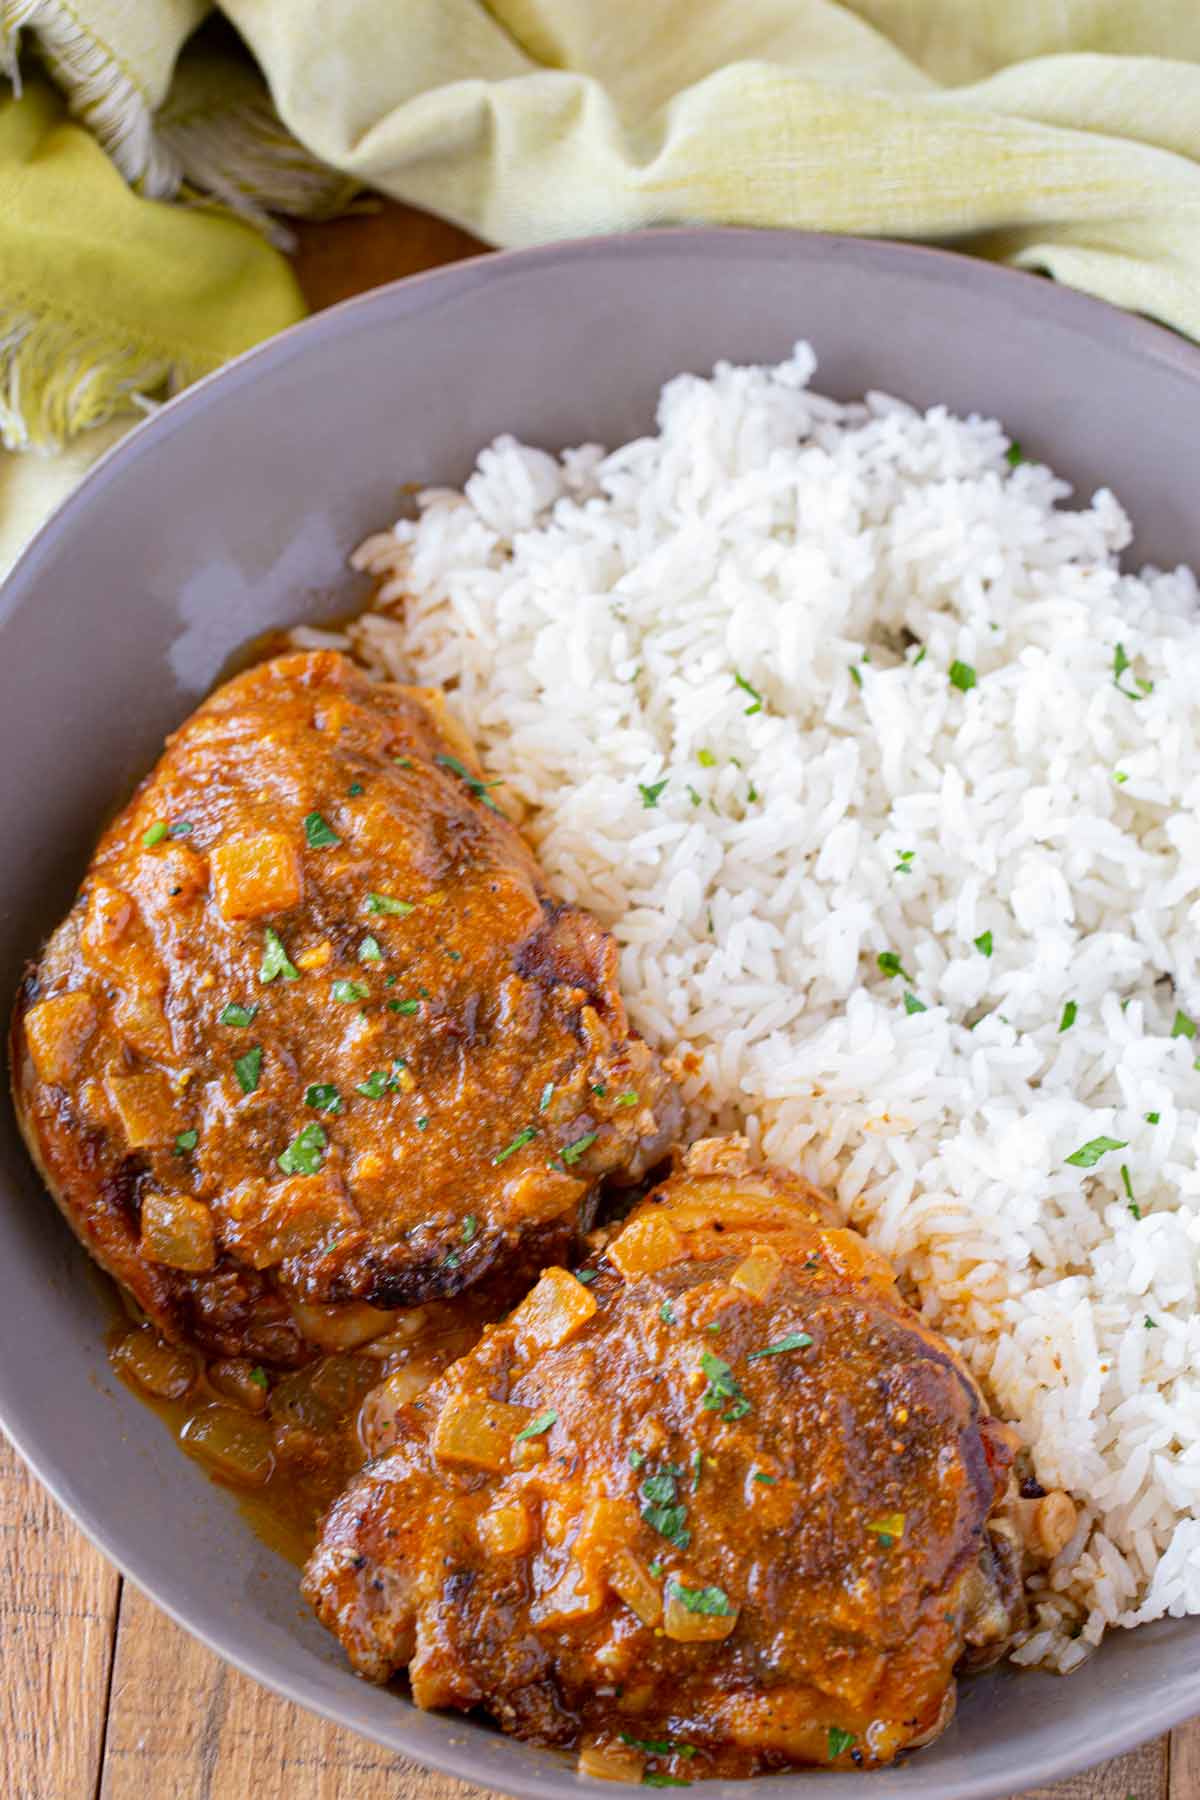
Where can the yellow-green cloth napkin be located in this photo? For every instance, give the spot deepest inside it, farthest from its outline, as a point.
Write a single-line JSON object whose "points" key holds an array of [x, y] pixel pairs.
{"points": [[1063, 137]]}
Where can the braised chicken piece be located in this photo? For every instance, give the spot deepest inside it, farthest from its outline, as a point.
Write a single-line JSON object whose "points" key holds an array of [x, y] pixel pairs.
{"points": [[315, 1044], [717, 1504]]}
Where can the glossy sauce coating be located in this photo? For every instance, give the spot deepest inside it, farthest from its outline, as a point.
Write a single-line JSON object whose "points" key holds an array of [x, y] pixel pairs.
{"points": [[315, 1045], [720, 1509]]}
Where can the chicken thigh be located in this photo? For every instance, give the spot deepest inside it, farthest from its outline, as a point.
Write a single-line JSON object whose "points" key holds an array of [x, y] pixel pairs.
{"points": [[315, 1044], [718, 1503]]}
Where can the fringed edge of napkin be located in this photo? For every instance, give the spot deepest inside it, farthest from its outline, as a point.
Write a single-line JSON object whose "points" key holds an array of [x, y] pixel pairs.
{"points": [[103, 97], [57, 380]]}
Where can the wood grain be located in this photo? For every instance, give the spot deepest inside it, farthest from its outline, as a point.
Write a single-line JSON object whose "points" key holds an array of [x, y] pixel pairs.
{"points": [[58, 1614], [101, 1696]]}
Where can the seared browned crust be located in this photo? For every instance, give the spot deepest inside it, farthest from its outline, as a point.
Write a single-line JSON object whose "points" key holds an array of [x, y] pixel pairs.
{"points": [[490, 1008], [834, 1492]]}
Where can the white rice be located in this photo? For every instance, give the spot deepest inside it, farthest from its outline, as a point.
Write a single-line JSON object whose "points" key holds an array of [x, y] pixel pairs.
{"points": [[591, 615]]}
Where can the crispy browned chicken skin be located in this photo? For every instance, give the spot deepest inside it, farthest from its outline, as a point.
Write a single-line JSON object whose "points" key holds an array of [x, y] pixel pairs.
{"points": [[725, 1507], [316, 1036]]}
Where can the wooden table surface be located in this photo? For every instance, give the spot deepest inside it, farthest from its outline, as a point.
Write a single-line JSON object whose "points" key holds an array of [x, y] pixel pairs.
{"points": [[101, 1696]]}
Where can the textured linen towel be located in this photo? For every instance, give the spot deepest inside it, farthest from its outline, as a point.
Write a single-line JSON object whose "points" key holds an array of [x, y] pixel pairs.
{"points": [[143, 168]]}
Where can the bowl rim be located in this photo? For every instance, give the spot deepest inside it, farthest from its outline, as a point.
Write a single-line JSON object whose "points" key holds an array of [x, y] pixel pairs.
{"points": [[1114, 328]]}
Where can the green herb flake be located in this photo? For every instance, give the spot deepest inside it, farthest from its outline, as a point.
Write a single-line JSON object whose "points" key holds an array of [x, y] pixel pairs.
{"points": [[275, 959], [697, 1468], [904, 862], [585, 1277], [838, 1741], [600, 1088], [983, 943], [889, 964], [670, 1522], [187, 1140], [155, 835], [663, 1747], [1121, 666], [856, 675], [319, 834], [1070, 1013], [369, 951], [547, 1096], [423, 1124], [628, 1098], [1014, 454], [403, 762], [962, 676], [636, 1458], [408, 1007], [470, 1229], [259, 1378], [922, 653], [650, 794], [324, 1096], [452, 1260], [383, 903], [794, 1340], [722, 1386], [766, 1480], [355, 788], [572, 1152], [1089, 1154], [237, 1014], [652, 1778], [304, 1154], [522, 1138], [666, 1313], [1120, 777], [1153, 1118], [1183, 1026], [377, 1084], [693, 796], [712, 1602], [475, 786], [706, 759], [248, 1069], [537, 1426], [755, 696], [181, 829], [347, 992], [913, 1005]]}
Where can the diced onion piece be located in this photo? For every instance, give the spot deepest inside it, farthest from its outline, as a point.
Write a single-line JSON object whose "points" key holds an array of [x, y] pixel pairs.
{"points": [[578, 1595], [610, 1763], [240, 1380], [178, 1232], [377, 1418], [265, 1224], [233, 1445], [758, 1273], [552, 1313], [477, 1433], [257, 876], [541, 1193], [889, 1525], [744, 1208], [506, 1530], [647, 1244], [686, 1626], [57, 1032], [162, 1369], [1054, 1522], [629, 1578], [341, 1327], [145, 1106], [320, 1395]]}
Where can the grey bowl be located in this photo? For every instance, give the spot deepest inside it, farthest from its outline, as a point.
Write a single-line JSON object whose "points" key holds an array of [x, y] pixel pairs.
{"points": [[233, 510]]}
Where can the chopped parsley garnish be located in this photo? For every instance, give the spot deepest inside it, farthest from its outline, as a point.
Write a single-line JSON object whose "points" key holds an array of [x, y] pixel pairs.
{"points": [[1126, 1182], [713, 1602], [1120, 777], [1070, 1013], [752, 794], [1149, 1324], [422, 1124], [248, 1069], [706, 759], [922, 653], [913, 1005], [663, 1512], [347, 992], [470, 1229], [586, 1276], [383, 903], [1183, 1026], [404, 1006], [477, 787], [889, 964], [324, 1096], [636, 1458], [187, 1140], [795, 1340], [755, 696], [662, 1747], [522, 1138], [856, 675], [275, 959], [697, 1468], [451, 1260], [962, 676], [838, 1741], [600, 1087], [1153, 1118], [237, 1014], [377, 1084], [904, 862], [1012, 456], [403, 762], [666, 1313], [155, 835], [983, 943], [1089, 1154], [1121, 666], [571, 1153], [628, 1098], [182, 828], [767, 1480], [650, 794], [259, 1378], [319, 833], [652, 1778], [722, 1387], [355, 788], [547, 1096], [888, 1529], [304, 1154], [693, 796], [535, 1427], [369, 951]]}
